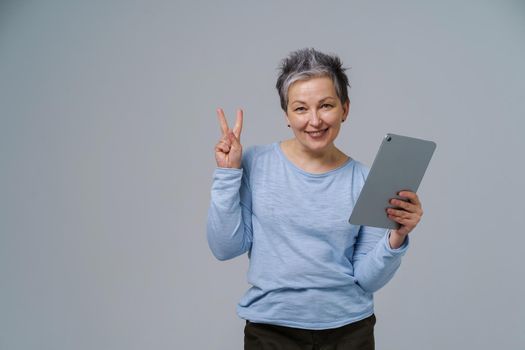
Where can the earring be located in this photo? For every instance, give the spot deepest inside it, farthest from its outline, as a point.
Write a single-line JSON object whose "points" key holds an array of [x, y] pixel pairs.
{"points": [[342, 120], [288, 125]]}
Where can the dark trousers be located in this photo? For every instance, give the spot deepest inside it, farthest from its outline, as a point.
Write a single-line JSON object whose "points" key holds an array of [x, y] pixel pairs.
{"points": [[353, 336]]}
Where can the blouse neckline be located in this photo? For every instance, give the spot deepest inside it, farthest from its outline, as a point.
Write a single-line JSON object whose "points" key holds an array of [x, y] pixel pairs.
{"points": [[277, 146]]}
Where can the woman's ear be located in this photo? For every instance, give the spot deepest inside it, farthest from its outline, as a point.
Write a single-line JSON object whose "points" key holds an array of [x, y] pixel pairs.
{"points": [[287, 119], [346, 110]]}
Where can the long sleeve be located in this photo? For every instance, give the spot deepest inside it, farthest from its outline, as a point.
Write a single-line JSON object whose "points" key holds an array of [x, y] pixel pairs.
{"points": [[375, 262], [229, 230]]}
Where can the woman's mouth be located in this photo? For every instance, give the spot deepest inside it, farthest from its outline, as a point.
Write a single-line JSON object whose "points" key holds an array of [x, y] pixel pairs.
{"points": [[317, 133]]}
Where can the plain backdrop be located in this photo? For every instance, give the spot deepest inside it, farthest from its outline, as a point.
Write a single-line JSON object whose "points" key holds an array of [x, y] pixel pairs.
{"points": [[107, 132]]}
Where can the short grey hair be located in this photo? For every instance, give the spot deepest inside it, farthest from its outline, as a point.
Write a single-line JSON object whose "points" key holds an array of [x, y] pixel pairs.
{"points": [[309, 63]]}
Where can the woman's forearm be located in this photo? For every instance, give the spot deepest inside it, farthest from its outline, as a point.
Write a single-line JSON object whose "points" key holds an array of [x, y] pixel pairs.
{"points": [[226, 231]]}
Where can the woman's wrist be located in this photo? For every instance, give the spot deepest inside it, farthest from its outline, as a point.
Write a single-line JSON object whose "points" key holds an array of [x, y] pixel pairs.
{"points": [[396, 240]]}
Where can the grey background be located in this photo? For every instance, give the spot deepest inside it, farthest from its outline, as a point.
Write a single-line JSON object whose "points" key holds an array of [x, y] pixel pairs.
{"points": [[106, 154]]}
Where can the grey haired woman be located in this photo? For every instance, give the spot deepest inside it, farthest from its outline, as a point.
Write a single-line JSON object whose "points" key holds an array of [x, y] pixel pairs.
{"points": [[312, 274]]}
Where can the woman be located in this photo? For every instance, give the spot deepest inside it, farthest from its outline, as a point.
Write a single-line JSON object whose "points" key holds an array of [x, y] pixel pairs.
{"points": [[287, 204]]}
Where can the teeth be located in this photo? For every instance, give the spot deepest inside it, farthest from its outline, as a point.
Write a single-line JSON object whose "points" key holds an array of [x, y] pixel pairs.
{"points": [[315, 133]]}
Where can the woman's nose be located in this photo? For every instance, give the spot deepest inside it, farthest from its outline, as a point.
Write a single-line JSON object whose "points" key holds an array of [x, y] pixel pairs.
{"points": [[314, 118]]}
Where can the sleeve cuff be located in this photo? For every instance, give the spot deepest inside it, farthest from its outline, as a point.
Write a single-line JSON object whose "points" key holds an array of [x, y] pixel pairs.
{"points": [[227, 173], [399, 251]]}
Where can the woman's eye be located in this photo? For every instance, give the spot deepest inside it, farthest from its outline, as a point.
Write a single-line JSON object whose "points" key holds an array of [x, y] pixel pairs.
{"points": [[326, 106], [300, 109]]}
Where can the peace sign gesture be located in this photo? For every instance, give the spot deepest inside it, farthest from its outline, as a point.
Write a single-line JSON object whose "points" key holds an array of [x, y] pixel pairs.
{"points": [[228, 151]]}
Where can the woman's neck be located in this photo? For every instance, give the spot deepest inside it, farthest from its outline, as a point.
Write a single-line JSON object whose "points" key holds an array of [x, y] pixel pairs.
{"points": [[314, 162]]}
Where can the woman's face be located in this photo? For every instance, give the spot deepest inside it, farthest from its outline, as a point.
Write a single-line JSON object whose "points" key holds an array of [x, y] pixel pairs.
{"points": [[315, 113]]}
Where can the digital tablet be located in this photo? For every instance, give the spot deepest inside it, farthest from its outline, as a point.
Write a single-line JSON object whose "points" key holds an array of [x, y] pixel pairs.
{"points": [[399, 165]]}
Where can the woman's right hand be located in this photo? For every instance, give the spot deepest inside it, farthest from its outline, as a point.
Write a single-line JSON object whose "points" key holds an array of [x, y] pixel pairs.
{"points": [[228, 151]]}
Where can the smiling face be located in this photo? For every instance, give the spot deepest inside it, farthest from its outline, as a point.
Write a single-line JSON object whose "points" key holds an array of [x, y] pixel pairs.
{"points": [[315, 113]]}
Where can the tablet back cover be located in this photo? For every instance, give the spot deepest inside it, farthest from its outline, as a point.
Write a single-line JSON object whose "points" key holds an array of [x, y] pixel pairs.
{"points": [[399, 165]]}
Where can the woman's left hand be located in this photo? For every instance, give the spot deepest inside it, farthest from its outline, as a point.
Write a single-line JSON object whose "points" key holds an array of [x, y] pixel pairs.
{"points": [[408, 214]]}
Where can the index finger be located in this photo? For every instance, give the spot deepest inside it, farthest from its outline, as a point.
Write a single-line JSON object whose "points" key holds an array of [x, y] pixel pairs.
{"points": [[238, 124], [412, 197], [222, 121]]}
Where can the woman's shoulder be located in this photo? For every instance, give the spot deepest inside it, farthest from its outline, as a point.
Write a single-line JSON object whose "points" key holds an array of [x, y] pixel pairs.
{"points": [[258, 154], [359, 169], [256, 151], [361, 166]]}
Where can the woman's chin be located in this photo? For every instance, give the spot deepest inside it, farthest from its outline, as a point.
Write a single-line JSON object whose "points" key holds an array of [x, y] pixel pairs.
{"points": [[316, 145]]}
